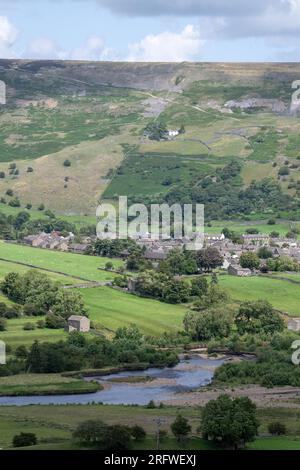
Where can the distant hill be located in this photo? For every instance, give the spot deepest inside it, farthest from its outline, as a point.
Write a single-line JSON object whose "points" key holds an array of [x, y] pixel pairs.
{"points": [[73, 132]]}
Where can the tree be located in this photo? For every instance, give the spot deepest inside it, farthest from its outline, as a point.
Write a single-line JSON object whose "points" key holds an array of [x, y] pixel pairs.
{"points": [[117, 437], [209, 258], [68, 303], [264, 253], [229, 422], [24, 439], [21, 219], [203, 326], [109, 266], [199, 286], [180, 428], [277, 428], [138, 433], [91, 433], [54, 322], [249, 260], [257, 317]]}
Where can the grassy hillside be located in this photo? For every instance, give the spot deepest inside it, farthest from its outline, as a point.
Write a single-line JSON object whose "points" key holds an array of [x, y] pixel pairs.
{"points": [[111, 309], [94, 115], [85, 267], [283, 295]]}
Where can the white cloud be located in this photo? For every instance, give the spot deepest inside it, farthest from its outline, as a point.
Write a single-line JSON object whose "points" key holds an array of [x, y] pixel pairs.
{"points": [[168, 46], [93, 49], [8, 36], [44, 48]]}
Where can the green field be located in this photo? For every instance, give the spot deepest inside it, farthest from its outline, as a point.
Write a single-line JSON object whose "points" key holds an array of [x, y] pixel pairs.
{"points": [[44, 384], [53, 425], [283, 295], [7, 267], [110, 309], [15, 336], [275, 443], [240, 227], [85, 267]]}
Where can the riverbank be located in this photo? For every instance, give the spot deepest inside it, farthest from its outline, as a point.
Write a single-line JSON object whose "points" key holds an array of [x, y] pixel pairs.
{"points": [[276, 397]]}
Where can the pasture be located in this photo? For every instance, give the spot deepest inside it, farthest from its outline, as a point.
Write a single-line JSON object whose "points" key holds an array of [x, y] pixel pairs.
{"points": [[283, 295], [85, 267], [111, 309]]}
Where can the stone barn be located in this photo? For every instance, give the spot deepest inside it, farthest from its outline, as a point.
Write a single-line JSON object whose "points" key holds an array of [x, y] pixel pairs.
{"points": [[78, 323]]}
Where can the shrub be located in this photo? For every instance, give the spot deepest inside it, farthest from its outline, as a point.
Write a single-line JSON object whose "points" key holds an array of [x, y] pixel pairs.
{"points": [[2, 324], [9, 192], [41, 207], [29, 169], [2, 174], [276, 428], [67, 163], [138, 433], [29, 326], [14, 202], [24, 439]]}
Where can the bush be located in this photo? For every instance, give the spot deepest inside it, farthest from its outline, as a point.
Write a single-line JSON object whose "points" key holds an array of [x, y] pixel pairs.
{"points": [[41, 207], [277, 429], [29, 326], [29, 169], [54, 322], [67, 163], [9, 192], [2, 324], [15, 202], [24, 439], [2, 174], [138, 433]]}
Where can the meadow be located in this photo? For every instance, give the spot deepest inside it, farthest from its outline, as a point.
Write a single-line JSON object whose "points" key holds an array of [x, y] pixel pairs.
{"points": [[53, 425], [44, 384], [240, 227], [283, 295], [110, 309], [85, 267], [15, 335]]}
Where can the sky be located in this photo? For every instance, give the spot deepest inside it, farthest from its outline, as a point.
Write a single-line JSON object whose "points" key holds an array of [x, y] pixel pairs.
{"points": [[151, 30]]}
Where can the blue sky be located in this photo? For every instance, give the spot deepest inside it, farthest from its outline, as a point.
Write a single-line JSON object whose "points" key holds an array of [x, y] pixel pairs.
{"points": [[151, 30]]}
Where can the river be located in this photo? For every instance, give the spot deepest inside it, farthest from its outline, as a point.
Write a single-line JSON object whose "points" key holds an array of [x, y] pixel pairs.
{"points": [[163, 384]]}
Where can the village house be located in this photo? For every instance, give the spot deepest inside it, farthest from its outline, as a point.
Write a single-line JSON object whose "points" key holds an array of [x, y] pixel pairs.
{"points": [[214, 237], [78, 323], [255, 238], [236, 270], [51, 241], [294, 324], [79, 248]]}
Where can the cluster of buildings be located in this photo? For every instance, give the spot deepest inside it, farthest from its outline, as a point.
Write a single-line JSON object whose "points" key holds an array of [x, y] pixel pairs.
{"points": [[158, 250], [231, 252], [55, 241]]}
